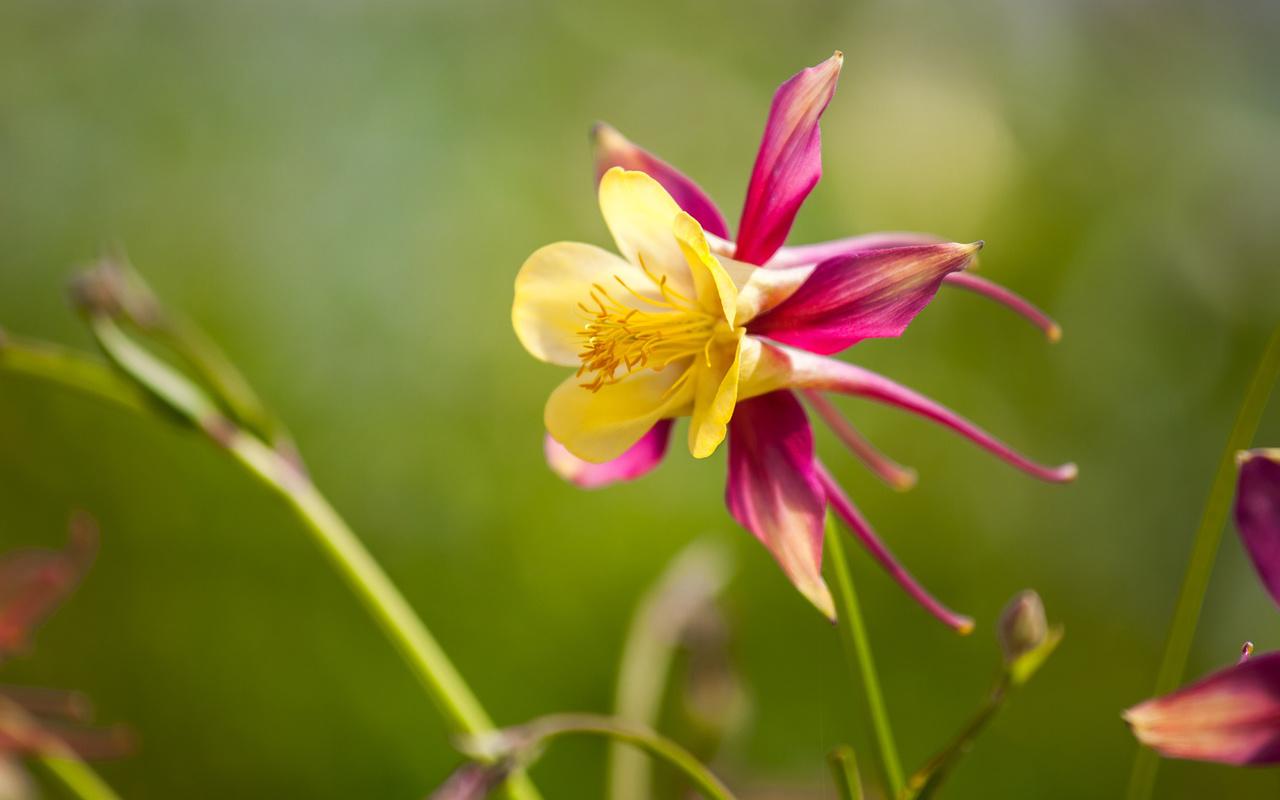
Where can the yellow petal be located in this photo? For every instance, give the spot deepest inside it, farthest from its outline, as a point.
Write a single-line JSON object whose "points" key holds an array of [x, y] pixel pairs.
{"points": [[640, 213], [600, 426], [716, 292], [549, 287], [762, 368], [715, 395]]}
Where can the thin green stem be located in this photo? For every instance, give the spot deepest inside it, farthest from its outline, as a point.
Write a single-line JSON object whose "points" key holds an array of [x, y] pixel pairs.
{"points": [[1187, 613], [853, 633], [79, 778], [70, 370], [424, 656], [645, 738], [687, 587], [844, 771]]}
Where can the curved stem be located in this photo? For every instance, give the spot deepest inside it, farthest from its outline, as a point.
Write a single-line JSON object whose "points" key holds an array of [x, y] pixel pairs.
{"points": [[357, 567], [883, 467], [641, 736], [1187, 613], [853, 633]]}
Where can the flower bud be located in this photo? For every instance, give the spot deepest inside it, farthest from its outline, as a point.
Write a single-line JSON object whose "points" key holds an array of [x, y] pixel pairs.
{"points": [[1022, 626]]}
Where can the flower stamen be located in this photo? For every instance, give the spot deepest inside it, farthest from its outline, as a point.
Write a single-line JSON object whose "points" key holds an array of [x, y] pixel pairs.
{"points": [[618, 337]]}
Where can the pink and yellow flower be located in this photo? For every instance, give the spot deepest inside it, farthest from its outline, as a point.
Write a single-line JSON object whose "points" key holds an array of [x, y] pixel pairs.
{"points": [[688, 322], [1232, 716]]}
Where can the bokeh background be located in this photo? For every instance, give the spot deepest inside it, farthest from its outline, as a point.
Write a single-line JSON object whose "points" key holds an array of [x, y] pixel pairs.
{"points": [[342, 195]]}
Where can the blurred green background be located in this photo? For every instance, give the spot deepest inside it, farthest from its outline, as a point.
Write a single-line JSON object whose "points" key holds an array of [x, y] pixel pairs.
{"points": [[342, 195]]}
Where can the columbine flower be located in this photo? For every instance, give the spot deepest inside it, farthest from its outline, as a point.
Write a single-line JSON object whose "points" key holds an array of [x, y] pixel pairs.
{"points": [[1233, 715], [689, 323]]}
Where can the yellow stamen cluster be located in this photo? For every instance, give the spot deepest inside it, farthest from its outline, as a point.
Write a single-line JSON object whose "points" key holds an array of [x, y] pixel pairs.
{"points": [[620, 337]]}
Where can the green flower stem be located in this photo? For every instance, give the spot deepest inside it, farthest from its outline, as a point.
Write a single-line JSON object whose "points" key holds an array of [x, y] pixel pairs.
{"points": [[853, 633], [844, 771], [79, 778], [530, 736], [445, 686], [1187, 613], [70, 370], [692, 581]]}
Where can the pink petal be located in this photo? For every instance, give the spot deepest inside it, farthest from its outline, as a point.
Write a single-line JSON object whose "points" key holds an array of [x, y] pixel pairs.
{"points": [[808, 371], [872, 293], [1258, 514], [1010, 300], [1230, 717], [642, 458], [789, 162], [800, 255], [884, 468], [845, 508], [612, 149], [814, 253], [34, 582], [773, 488]]}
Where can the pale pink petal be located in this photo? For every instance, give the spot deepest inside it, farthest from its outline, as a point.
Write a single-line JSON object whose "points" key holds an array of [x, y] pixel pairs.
{"points": [[1010, 300], [862, 529], [799, 369], [800, 255], [1230, 717], [773, 489], [643, 458], [789, 162], [869, 294], [612, 149], [884, 468], [1258, 514]]}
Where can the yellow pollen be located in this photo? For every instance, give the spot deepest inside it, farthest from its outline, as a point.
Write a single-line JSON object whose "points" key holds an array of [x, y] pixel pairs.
{"points": [[619, 340]]}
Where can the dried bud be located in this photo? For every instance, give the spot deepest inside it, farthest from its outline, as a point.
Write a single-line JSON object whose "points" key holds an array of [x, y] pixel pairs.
{"points": [[1022, 626], [113, 289]]}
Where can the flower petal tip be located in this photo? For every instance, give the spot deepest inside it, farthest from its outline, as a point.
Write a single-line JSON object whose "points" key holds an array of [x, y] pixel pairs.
{"points": [[905, 480], [820, 596], [1066, 473]]}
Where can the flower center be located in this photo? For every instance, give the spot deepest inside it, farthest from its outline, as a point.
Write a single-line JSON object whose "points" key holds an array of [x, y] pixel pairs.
{"points": [[618, 337]]}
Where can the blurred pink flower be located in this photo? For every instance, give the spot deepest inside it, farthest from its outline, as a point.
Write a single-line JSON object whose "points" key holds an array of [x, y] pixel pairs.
{"points": [[1231, 716], [33, 583], [696, 324]]}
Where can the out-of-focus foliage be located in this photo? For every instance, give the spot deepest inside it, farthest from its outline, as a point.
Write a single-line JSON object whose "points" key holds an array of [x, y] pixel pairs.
{"points": [[342, 194]]}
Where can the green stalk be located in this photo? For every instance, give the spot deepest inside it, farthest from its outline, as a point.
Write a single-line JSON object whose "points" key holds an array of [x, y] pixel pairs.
{"points": [[79, 778], [844, 771], [1187, 613], [857, 648], [169, 390]]}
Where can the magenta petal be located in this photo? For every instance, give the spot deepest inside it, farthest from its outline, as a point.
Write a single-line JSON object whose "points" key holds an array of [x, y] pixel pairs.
{"points": [[642, 458], [1258, 514], [872, 293], [612, 149], [801, 255], [845, 508], [808, 371], [789, 162], [1010, 300], [1230, 717], [773, 488]]}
